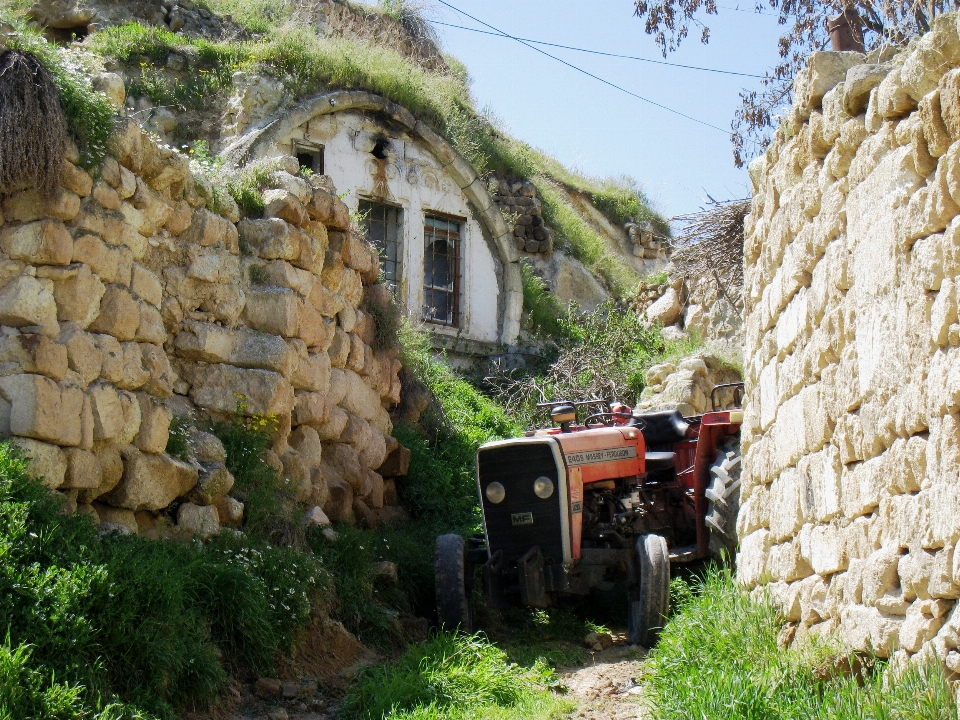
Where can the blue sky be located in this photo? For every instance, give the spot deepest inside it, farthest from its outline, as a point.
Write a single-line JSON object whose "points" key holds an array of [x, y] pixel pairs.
{"points": [[597, 129]]}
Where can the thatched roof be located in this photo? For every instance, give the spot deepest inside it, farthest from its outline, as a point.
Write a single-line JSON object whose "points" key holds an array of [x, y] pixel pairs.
{"points": [[33, 127]]}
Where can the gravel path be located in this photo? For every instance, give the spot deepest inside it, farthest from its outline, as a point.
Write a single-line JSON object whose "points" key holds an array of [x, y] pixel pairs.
{"points": [[608, 688]]}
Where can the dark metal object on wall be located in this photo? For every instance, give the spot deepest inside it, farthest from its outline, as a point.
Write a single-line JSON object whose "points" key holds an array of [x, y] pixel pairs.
{"points": [[846, 32]]}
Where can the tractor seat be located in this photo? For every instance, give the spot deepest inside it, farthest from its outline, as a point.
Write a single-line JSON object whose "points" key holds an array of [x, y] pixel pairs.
{"points": [[660, 460], [662, 427]]}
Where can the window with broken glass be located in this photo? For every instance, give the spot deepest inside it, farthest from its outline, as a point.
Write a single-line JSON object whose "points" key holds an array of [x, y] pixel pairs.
{"points": [[381, 223], [441, 271]]}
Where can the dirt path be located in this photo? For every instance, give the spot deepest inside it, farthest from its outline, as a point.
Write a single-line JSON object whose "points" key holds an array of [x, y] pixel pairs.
{"points": [[607, 687]]}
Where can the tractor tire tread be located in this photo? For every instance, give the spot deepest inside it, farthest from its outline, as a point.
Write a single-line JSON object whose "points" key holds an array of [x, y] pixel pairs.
{"points": [[450, 574]]}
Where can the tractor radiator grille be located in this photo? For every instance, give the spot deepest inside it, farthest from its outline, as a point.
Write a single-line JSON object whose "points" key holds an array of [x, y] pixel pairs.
{"points": [[508, 523]]}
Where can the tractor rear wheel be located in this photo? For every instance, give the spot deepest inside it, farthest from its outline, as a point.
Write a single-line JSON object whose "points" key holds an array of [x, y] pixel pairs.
{"points": [[450, 574], [723, 496], [650, 598]]}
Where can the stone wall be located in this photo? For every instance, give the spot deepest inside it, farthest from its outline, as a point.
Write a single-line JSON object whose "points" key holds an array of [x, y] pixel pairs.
{"points": [[522, 210], [850, 506], [125, 302]]}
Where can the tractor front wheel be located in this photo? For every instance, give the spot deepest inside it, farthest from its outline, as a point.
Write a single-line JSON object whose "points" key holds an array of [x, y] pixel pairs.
{"points": [[723, 496], [450, 574], [650, 598]]}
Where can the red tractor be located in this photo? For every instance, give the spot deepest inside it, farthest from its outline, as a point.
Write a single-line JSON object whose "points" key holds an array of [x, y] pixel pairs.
{"points": [[608, 500]]}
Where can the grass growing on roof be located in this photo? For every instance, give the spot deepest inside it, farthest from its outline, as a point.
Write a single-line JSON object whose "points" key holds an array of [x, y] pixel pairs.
{"points": [[89, 115], [718, 658]]}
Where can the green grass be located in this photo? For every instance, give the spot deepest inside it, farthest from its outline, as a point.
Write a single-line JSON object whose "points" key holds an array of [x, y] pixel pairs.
{"points": [[544, 310], [88, 113], [718, 658], [586, 245], [454, 678], [117, 626]]}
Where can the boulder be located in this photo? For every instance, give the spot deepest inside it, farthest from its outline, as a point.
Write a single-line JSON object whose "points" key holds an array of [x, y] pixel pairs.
{"points": [[151, 482], [665, 311], [198, 521]]}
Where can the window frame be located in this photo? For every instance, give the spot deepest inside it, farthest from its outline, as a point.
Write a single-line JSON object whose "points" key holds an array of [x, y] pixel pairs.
{"points": [[301, 147], [456, 293], [396, 283]]}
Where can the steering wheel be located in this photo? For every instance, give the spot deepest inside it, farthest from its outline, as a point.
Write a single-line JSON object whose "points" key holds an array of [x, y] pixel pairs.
{"points": [[600, 418]]}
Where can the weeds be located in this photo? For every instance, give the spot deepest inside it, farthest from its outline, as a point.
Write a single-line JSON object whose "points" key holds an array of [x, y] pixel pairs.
{"points": [[117, 626], [89, 115], [453, 677], [543, 308], [718, 657]]}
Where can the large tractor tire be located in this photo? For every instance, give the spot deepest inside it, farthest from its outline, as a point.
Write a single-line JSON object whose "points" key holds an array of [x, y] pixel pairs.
{"points": [[650, 598], [450, 574], [723, 496]]}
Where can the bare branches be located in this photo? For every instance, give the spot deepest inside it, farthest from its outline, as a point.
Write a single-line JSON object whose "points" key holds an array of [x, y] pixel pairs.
{"points": [[884, 22], [711, 244], [33, 127]]}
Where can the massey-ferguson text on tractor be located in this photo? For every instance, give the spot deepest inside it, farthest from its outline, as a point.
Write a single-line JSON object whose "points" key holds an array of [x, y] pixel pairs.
{"points": [[613, 499]]}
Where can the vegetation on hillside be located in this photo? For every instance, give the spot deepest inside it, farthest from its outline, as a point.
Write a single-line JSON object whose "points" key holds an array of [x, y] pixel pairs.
{"points": [[718, 658]]}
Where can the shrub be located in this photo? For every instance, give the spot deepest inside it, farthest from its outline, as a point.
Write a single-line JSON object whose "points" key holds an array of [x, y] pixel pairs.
{"points": [[115, 626], [453, 677], [89, 115], [543, 308], [718, 657]]}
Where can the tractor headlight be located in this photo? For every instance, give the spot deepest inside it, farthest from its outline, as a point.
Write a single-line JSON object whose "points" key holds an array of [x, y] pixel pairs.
{"points": [[495, 493], [543, 487]]}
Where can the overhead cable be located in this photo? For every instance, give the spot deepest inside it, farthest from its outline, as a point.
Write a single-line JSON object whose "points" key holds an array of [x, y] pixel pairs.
{"points": [[600, 52], [585, 72]]}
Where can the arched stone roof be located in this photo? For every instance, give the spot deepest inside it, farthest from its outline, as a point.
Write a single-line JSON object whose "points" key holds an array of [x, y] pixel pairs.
{"points": [[260, 141]]}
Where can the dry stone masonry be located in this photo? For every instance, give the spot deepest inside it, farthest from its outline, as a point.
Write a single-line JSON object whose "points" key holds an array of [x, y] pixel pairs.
{"points": [[125, 302], [850, 510], [521, 208]]}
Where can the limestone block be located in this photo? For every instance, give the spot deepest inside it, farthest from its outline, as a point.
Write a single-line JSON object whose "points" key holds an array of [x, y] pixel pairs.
{"points": [[45, 242], [162, 166], [40, 410], [75, 179], [935, 52], [934, 130], [941, 583], [160, 376], [879, 574], [107, 411], [786, 562], [214, 481], [826, 550], [30, 205], [351, 287], [216, 388], [918, 628], [360, 399], [752, 558], [131, 417], [151, 482], [313, 373], [206, 447], [345, 462], [119, 314], [146, 285], [306, 442], [204, 341], [279, 203], [914, 570], [339, 507], [48, 463], [273, 310], [83, 469], [334, 426], [311, 409], [200, 521], [27, 301], [154, 425], [860, 80], [34, 353], [927, 261], [940, 514], [786, 516], [893, 99], [209, 229], [373, 453], [943, 312], [867, 630], [271, 239], [116, 519], [155, 209], [824, 71], [78, 294], [229, 512], [253, 349]]}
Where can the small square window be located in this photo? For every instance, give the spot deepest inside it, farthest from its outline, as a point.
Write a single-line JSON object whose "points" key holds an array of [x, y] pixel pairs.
{"points": [[309, 156]]}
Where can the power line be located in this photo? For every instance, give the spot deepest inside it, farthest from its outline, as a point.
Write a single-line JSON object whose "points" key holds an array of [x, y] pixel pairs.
{"points": [[585, 72], [599, 52]]}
